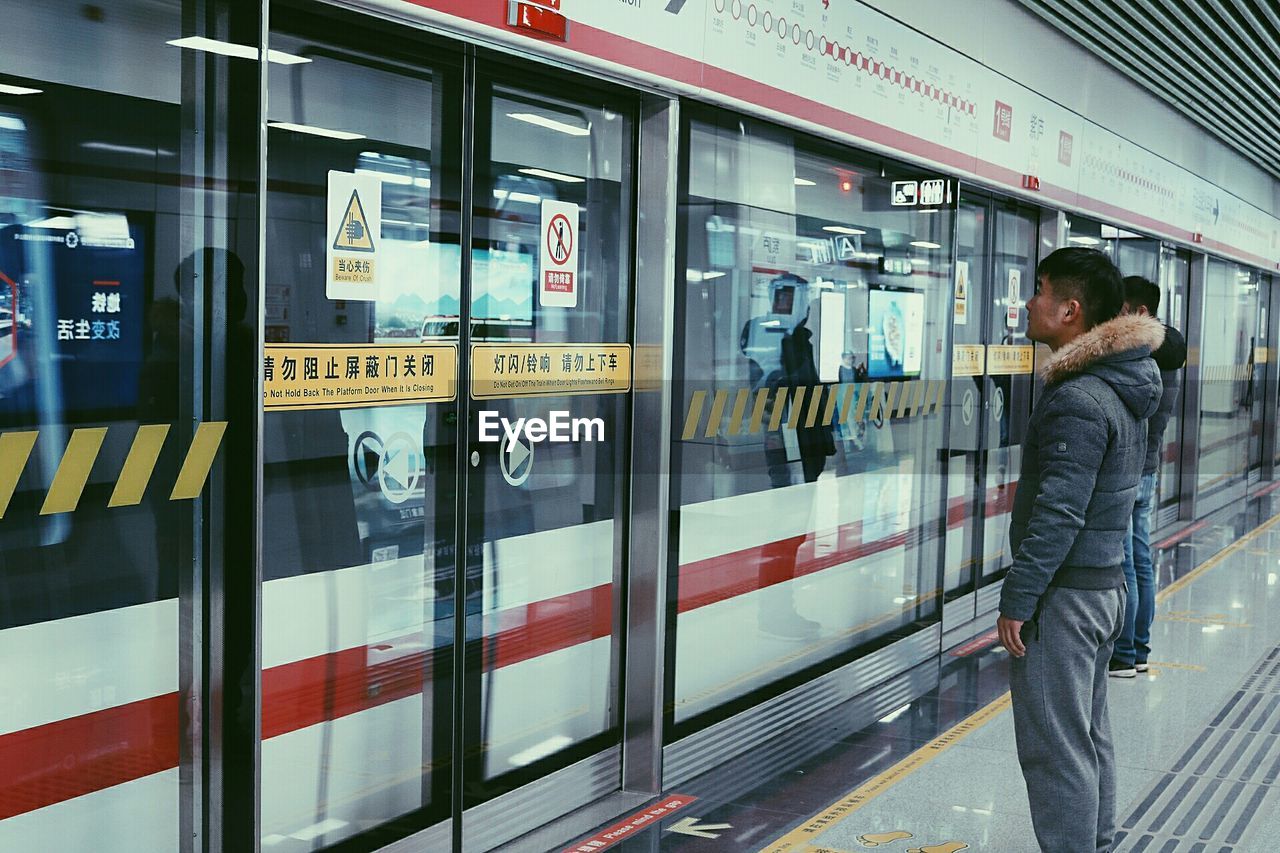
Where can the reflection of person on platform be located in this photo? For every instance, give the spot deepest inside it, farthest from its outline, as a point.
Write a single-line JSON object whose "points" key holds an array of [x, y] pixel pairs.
{"points": [[158, 386], [795, 368]]}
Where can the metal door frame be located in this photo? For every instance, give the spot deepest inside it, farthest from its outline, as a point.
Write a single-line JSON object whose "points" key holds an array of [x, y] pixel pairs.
{"points": [[1169, 254]]}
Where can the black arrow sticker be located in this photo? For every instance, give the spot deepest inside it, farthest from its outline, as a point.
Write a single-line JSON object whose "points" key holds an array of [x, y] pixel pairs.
{"points": [[675, 6]]}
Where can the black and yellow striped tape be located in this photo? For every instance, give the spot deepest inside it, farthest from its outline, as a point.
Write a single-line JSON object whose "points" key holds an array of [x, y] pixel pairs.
{"points": [[82, 452], [856, 401]]}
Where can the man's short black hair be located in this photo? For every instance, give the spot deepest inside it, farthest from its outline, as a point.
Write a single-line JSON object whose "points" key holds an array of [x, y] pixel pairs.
{"points": [[1087, 276], [1141, 291]]}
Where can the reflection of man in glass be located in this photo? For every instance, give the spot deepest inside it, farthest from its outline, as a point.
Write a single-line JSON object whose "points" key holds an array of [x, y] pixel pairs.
{"points": [[847, 369], [158, 385], [780, 347]]}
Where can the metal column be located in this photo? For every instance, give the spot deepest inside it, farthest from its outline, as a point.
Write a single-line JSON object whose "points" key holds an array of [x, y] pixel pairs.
{"points": [[646, 615]]}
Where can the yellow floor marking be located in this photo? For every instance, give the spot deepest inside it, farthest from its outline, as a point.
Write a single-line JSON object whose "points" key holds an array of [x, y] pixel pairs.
{"points": [[800, 837], [1201, 620], [945, 847], [1189, 667], [875, 839]]}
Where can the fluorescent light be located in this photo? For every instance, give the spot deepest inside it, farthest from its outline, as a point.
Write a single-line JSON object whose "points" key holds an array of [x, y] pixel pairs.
{"points": [[402, 180], [1085, 241], [555, 176], [315, 131], [126, 149], [929, 210], [6, 89], [550, 124], [842, 229], [925, 244], [707, 276], [239, 51], [528, 198], [805, 182]]}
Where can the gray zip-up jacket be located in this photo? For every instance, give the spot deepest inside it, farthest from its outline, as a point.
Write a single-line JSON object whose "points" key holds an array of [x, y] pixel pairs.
{"points": [[1083, 455]]}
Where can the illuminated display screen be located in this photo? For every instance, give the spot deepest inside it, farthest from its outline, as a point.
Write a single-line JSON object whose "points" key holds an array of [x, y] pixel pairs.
{"points": [[896, 333]]}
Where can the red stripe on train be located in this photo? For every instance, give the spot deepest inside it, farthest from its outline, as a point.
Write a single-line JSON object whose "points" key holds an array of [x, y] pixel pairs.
{"points": [[69, 758]]}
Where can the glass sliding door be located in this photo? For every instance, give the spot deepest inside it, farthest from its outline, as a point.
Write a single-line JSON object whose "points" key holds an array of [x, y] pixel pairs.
{"points": [[992, 363], [1010, 376], [966, 417], [128, 229], [1230, 322], [408, 338], [550, 319], [1175, 273], [1256, 368], [359, 470]]}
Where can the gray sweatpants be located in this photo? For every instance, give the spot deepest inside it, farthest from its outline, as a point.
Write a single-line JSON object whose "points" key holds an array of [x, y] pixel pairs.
{"points": [[1059, 691]]}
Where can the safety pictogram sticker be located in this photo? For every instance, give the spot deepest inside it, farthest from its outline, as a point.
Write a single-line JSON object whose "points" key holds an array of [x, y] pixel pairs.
{"points": [[558, 281], [353, 222], [353, 232]]}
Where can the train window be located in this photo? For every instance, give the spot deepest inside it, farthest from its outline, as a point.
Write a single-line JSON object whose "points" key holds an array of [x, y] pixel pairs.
{"points": [[817, 308]]}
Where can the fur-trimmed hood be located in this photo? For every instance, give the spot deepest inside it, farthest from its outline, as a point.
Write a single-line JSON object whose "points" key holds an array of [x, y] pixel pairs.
{"points": [[1118, 352]]}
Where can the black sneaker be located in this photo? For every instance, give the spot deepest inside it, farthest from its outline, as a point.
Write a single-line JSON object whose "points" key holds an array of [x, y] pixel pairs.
{"points": [[1140, 666], [1116, 669]]}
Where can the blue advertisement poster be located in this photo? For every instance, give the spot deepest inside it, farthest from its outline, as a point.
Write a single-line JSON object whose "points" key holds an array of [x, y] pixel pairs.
{"points": [[896, 333], [75, 309]]}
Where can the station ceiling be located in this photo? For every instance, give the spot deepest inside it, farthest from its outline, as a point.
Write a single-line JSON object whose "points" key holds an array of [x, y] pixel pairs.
{"points": [[1215, 61]]}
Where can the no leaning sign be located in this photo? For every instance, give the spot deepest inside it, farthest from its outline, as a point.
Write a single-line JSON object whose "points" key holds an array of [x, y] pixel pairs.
{"points": [[558, 275]]}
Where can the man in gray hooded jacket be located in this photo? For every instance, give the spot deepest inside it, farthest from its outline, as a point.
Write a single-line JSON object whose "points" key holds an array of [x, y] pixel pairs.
{"points": [[1062, 605]]}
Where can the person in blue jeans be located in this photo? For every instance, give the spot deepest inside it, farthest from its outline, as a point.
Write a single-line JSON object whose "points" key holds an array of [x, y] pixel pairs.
{"points": [[1133, 646]]}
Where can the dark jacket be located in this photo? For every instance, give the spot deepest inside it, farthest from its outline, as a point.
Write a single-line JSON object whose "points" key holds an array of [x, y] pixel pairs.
{"points": [[1170, 358], [1083, 455]]}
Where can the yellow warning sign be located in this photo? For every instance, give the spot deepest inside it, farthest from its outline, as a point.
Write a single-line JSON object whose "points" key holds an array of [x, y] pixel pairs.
{"points": [[549, 370], [353, 217], [354, 234], [1010, 359], [348, 376], [968, 359]]}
